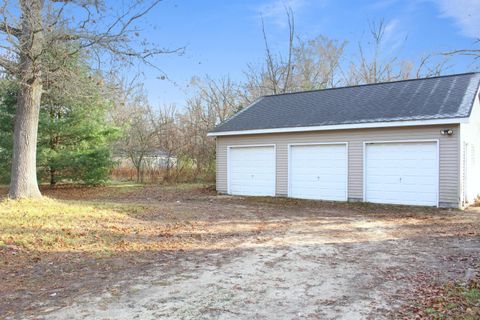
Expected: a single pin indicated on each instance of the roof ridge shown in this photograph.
(371, 84)
(443, 96)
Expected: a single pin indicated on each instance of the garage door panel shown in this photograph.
(249, 191)
(253, 159)
(308, 171)
(312, 185)
(251, 164)
(308, 194)
(314, 189)
(402, 173)
(411, 195)
(406, 179)
(256, 173)
(322, 166)
(408, 147)
(251, 171)
(400, 162)
(240, 181)
(392, 199)
(326, 162)
(329, 178)
(311, 151)
(318, 172)
(420, 180)
(404, 189)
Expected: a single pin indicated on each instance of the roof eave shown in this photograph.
(405, 123)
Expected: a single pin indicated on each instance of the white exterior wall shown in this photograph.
(470, 156)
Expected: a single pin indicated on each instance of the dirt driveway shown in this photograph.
(274, 259)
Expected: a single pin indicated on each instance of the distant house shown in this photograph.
(413, 142)
(153, 159)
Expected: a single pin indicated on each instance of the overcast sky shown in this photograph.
(221, 37)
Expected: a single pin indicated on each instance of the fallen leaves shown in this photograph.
(432, 301)
(100, 236)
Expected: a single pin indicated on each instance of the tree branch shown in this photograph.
(466, 52)
(9, 65)
(4, 27)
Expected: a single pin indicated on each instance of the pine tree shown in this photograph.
(74, 133)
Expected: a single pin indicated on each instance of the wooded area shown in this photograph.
(60, 88)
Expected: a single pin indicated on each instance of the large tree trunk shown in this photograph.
(23, 182)
(24, 163)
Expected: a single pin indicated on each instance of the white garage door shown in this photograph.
(402, 173)
(318, 172)
(251, 171)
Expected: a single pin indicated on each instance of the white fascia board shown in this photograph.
(343, 127)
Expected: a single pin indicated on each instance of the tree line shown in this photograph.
(306, 64)
(58, 91)
(37, 40)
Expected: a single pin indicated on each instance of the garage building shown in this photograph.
(413, 142)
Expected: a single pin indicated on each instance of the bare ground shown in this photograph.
(250, 259)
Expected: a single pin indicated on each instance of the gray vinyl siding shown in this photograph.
(449, 155)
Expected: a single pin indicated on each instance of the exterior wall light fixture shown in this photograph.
(448, 132)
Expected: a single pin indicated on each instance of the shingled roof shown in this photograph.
(443, 97)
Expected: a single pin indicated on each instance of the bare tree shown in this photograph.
(221, 96)
(130, 113)
(185, 132)
(375, 64)
(277, 70)
(138, 141)
(376, 67)
(180, 134)
(167, 133)
(197, 120)
(473, 53)
(317, 62)
(275, 75)
(432, 65)
(34, 25)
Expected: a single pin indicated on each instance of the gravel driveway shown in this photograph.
(286, 260)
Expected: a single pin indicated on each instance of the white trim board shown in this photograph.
(253, 146)
(343, 127)
(289, 164)
(365, 143)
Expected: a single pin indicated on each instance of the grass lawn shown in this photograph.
(102, 223)
(50, 225)
(84, 229)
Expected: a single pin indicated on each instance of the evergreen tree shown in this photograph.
(8, 99)
(74, 133)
